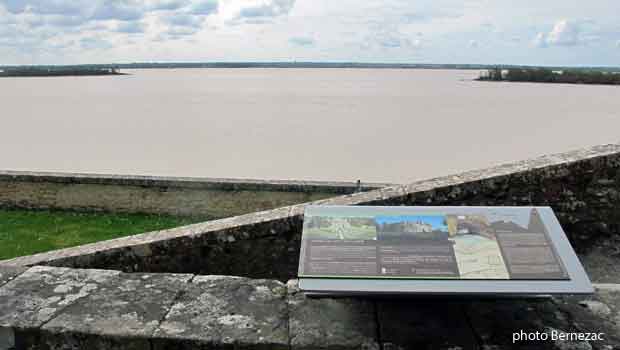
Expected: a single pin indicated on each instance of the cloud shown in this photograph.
(130, 27)
(75, 12)
(205, 7)
(394, 40)
(94, 43)
(176, 32)
(270, 8)
(301, 41)
(167, 5)
(46, 7)
(391, 41)
(540, 40)
(183, 20)
(473, 44)
(254, 11)
(119, 10)
(563, 33)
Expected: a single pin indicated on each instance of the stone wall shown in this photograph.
(583, 188)
(60, 308)
(209, 198)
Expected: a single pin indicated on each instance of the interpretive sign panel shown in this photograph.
(435, 244)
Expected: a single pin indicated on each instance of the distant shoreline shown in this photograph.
(341, 65)
(548, 76)
(31, 72)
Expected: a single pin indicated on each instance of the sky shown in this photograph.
(550, 32)
(438, 222)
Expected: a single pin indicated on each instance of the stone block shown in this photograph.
(226, 312)
(41, 293)
(423, 324)
(496, 321)
(122, 314)
(330, 323)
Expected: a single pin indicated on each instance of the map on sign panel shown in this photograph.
(447, 244)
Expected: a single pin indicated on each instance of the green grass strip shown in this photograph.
(25, 232)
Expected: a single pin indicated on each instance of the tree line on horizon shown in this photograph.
(539, 75)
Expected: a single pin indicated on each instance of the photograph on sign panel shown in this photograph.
(342, 228)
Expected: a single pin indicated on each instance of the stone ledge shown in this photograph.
(226, 312)
(41, 293)
(344, 323)
(336, 187)
(60, 308)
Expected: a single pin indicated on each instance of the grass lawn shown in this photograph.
(25, 232)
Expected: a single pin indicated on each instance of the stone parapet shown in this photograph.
(61, 308)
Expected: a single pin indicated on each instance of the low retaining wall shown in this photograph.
(583, 188)
(61, 308)
(210, 198)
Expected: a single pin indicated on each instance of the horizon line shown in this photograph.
(295, 62)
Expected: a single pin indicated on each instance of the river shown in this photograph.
(382, 125)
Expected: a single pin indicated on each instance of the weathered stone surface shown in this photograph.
(598, 313)
(42, 292)
(7, 273)
(424, 324)
(495, 322)
(602, 261)
(125, 311)
(226, 313)
(325, 323)
(7, 338)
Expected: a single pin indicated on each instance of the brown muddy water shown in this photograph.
(315, 124)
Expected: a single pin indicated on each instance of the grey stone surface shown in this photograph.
(7, 338)
(7, 273)
(41, 293)
(602, 260)
(495, 321)
(226, 312)
(126, 310)
(598, 313)
(58, 308)
(325, 323)
(424, 324)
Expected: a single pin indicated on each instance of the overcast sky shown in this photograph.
(550, 32)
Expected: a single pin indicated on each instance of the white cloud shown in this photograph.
(48, 7)
(205, 7)
(168, 5)
(540, 40)
(254, 10)
(364, 30)
(130, 27)
(564, 32)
